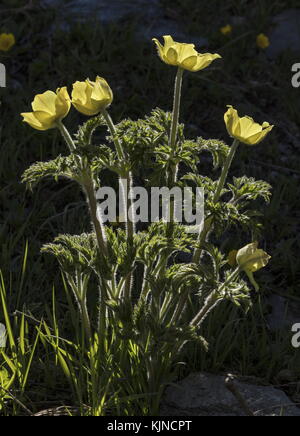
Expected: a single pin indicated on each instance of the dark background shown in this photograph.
(60, 42)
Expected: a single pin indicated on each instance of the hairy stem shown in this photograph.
(225, 170)
(130, 229)
(212, 300)
(66, 135)
(88, 186)
(208, 222)
(98, 226)
(176, 109)
(172, 176)
(79, 291)
(113, 132)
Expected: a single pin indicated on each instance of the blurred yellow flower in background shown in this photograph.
(245, 129)
(7, 41)
(262, 41)
(48, 108)
(183, 55)
(226, 30)
(90, 98)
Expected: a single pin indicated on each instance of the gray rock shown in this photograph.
(149, 16)
(206, 395)
(106, 10)
(285, 34)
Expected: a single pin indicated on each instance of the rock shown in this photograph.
(286, 33)
(286, 376)
(148, 14)
(202, 394)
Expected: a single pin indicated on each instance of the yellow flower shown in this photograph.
(262, 41)
(226, 30)
(245, 129)
(183, 55)
(7, 41)
(251, 259)
(48, 108)
(90, 98)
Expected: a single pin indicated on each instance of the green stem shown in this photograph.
(212, 300)
(66, 135)
(79, 290)
(130, 229)
(208, 222)
(201, 239)
(86, 320)
(172, 176)
(180, 307)
(176, 110)
(92, 201)
(225, 170)
(210, 303)
(113, 132)
(89, 188)
(90, 193)
(102, 320)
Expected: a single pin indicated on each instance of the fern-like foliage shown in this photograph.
(62, 166)
(245, 189)
(74, 252)
(84, 136)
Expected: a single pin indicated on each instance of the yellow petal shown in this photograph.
(48, 108)
(245, 129)
(262, 41)
(187, 56)
(84, 109)
(163, 49)
(63, 103)
(259, 137)
(160, 48)
(45, 102)
(90, 98)
(168, 40)
(226, 30)
(171, 56)
(102, 91)
(190, 63)
(31, 119)
(7, 41)
(183, 55)
(47, 121)
(185, 51)
(251, 259)
(249, 127)
(81, 97)
(231, 119)
(79, 93)
(204, 60)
